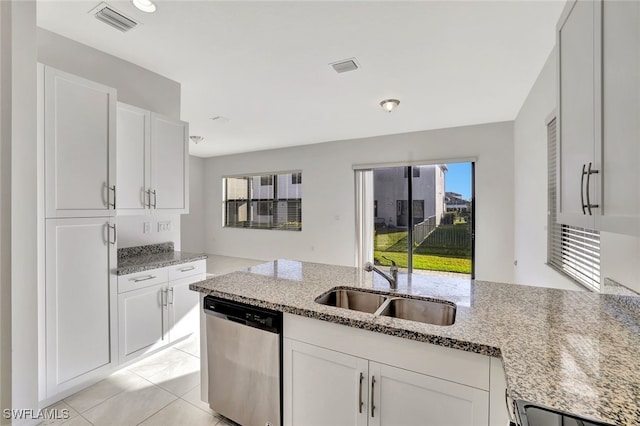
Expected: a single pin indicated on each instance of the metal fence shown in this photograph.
(423, 229)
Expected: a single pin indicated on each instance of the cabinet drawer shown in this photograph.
(142, 279)
(184, 270)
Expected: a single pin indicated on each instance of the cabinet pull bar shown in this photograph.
(360, 402)
(113, 188)
(582, 189)
(589, 205)
(137, 280)
(147, 198)
(373, 384)
(172, 295)
(115, 234)
(190, 268)
(155, 199)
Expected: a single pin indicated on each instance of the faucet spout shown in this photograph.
(393, 279)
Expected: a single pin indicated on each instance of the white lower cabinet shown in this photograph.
(338, 375)
(403, 397)
(153, 313)
(80, 296)
(323, 387)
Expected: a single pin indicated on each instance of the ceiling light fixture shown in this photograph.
(144, 5)
(389, 104)
(196, 139)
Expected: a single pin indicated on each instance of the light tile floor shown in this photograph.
(163, 389)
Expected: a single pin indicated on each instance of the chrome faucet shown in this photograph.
(393, 279)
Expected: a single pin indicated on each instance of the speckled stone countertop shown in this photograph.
(143, 258)
(573, 351)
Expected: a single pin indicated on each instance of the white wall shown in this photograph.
(192, 224)
(328, 215)
(24, 342)
(530, 192)
(5, 208)
(619, 253)
(136, 86)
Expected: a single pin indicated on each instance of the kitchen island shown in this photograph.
(572, 351)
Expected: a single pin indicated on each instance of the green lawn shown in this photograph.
(384, 241)
(426, 262)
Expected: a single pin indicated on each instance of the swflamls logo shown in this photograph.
(44, 414)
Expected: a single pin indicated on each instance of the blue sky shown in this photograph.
(458, 179)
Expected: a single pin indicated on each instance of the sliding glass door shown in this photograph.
(423, 218)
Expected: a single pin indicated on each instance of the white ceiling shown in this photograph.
(264, 65)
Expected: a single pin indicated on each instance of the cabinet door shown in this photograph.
(621, 117)
(405, 398)
(134, 159)
(80, 146)
(79, 301)
(578, 112)
(323, 387)
(142, 321)
(184, 312)
(169, 164)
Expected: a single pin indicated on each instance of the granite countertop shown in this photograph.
(143, 258)
(573, 351)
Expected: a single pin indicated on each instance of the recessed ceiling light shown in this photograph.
(196, 139)
(389, 104)
(144, 5)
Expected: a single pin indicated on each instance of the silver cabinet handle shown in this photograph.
(137, 280)
(115, 233)
(164, 297)
(155, 199)
(373, 384)
(582, 189)
(589, 205)
(172, 295)
(147, 197)
(113, 188)
(360, 402)
(190, 268)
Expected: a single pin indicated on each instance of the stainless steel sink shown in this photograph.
(353, 299)
(431, 312)
(427, 311)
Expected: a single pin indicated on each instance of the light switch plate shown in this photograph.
(146, 227)
(164, 226)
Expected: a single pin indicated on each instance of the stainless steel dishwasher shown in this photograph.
(244, 349)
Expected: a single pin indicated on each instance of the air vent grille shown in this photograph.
(110, 16)
(345, 65)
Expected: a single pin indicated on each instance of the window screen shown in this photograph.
(267, 201)
(571, 250)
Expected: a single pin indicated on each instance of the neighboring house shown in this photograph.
(455, 202)
(255, 200)
(390, 195)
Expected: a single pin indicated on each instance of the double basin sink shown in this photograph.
(438, 312)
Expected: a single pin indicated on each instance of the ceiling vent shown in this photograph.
(345, 65)
(110, 16)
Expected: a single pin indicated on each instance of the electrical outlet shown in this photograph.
(146, 227)
(164, 226)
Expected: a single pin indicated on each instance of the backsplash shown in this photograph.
(134, 231)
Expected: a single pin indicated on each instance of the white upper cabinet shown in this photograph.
(169, 164)
(621, 117)
(80, 146)
(134, 159)
(153, 162)
(578, 102)
(599, 116)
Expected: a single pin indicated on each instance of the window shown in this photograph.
(571, 250)
(416, 172)
(270, 201)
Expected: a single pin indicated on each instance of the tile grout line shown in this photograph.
(156, 412)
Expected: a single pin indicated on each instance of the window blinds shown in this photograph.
(573, 251)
